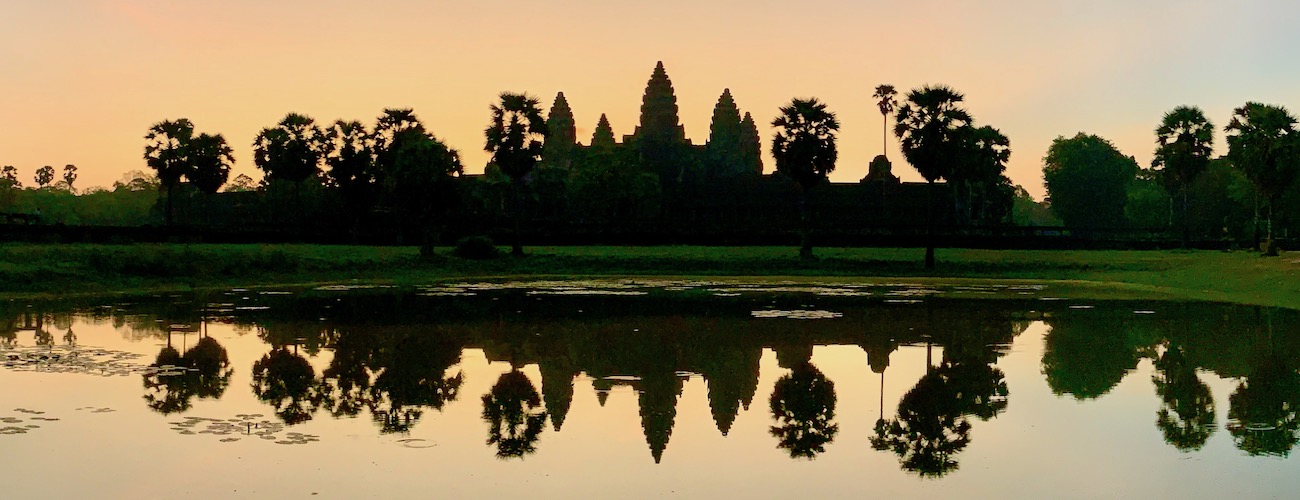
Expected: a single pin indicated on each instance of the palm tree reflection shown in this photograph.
(1186, 416)
(287, 382)
(204, 372)
(803, 407)
(515, 416)
(1264, 411)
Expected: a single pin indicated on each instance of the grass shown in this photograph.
(59, 270)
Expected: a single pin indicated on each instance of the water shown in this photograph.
(628, 389)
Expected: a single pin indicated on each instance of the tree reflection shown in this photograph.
(932, 425)
(1264, 411)
(204, 372)
(514, 413)
(1087, 357)
(1186, 417)
(803, 407)
(287, 382)
(414, 378)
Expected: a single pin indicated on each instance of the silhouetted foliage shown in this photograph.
(476, 247)
(44, 176)
(1264, 411)
(803, 406)
(1263, 143)
(350, 163)
(70, 176)
(804, 148)
(211, 158)
(287, 382)
(1185, 141)
(980, 187)
(204, 372)
(1087, 181)
(514, 139)
(1186, 417)
(292, 150)
(167, 152)
(887, 102)
(931, 131)
(515, 417)
(1087, 357)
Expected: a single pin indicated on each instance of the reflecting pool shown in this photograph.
(631, 389)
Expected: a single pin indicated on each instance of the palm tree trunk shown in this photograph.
(805, 236)
(884, 135)
(1270, 247)
(929, 227)
(517, 247)
(171, 190)
(1187, 224)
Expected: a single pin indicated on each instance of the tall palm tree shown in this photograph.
(887, 102)
(930, 128)
(515, 140)
(1263, 144)
(1184, 142)
(804, 148)
(167, 153)
(210, 159)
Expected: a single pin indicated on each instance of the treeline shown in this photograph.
(395, 178)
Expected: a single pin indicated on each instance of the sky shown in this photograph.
(82, 80)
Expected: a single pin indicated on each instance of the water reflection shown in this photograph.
(514, 414)
(391, 359)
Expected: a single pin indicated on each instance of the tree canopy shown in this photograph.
(1087, 181)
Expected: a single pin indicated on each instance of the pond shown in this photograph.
(631, 389)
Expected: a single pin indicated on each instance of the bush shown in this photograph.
(476, 247)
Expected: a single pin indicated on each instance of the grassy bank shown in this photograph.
(44, 270)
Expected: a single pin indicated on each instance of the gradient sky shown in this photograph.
(81, 81)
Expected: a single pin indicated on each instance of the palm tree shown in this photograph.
(804, 148)
(886, 101)
(1264, 148)
(292, 150)
(1185, 140)
(515, 140)
(929, 128)
(351, 163)
(211, 158)
(167, 153)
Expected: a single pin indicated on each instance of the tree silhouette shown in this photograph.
(886, 101)
(1264, 411)
(167, 152)
(932, 425)
(804, 148)
(292, 150)
(514, 139)
(930, 131)
(210, 159)
(287, 382)
(425, 167)
(1186, 417)
(803, 407)
(204, 372)
(978, 172)
(1086, 357)
(351, 167)
(44, 176)
(515, 417)
(1185, 141)
(415, 377)
(561, 135)
(1087, 180)
(1262, 142)
(70, 176)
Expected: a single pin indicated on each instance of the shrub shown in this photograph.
(476, 247)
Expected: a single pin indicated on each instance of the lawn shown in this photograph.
(29, 270)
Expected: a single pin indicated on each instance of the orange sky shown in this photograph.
(81, 81)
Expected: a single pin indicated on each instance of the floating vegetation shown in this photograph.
(585, 291)
(73, 359)
(796, 314)
(1143, 312)
(243, 425)
(344, 288)
(1081, 307)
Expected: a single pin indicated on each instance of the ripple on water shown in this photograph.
(796, 314)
